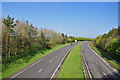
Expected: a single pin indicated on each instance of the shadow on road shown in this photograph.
(111, 76)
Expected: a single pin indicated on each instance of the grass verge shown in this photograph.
(72, 67)
(22, 63)
(102, 53)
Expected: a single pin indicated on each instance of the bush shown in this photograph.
(110, 43)
(113, 46)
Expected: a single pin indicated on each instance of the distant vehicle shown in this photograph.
(76, 41)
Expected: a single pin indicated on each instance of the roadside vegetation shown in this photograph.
(104, 55)
(83, 39)
(23, 43)
(19, 64)
(109, 45)
(72, 67)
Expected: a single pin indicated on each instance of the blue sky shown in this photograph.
(59, 0)
(84, 19)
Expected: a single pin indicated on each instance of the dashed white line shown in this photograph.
(50, 60)
(101, 59)
(105, 74)
(92, 57)
(40, 70)
(104, 61)
(26, 68)
(97, 54)
(105, 67)
(59, 64)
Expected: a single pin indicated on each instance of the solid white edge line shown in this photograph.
(103, 60)
(25, 69)
(97, 55)
(59, 64)
(87, 67)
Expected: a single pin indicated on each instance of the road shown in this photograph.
(45, 67)
(98, 68)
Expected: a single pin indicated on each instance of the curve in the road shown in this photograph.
(45, 67)
(99, 69)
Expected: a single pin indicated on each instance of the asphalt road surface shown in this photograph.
(45, 67)
(98, 68)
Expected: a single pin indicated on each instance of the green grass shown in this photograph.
(22, 63)
(102, 53)
(72, 67)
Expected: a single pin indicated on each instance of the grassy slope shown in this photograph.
(72, 67)
(21, 63)
(103, 55)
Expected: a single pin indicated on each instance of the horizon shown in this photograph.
(67, 18)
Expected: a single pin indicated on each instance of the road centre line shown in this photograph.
(103, 60)
(103, 65)
(26, 69)
(105, 74)
(97, 54)
(40, 70)
(60, 63)
(50, 61)
(92, 57)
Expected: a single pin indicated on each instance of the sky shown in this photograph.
(78, 19)
(59, 0)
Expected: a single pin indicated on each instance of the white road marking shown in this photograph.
(26, 68)
(105, 74)
(104, 61)
(100, 58)
(92, 57)
(50, 60)
(87, 66)
(59, 65)
(105, 67)
(97, 55)
(40, 70)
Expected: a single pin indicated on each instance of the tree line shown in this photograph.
(83, 39)
(20, 38)
(110, 42)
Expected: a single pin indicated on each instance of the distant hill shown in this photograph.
(83, 39)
